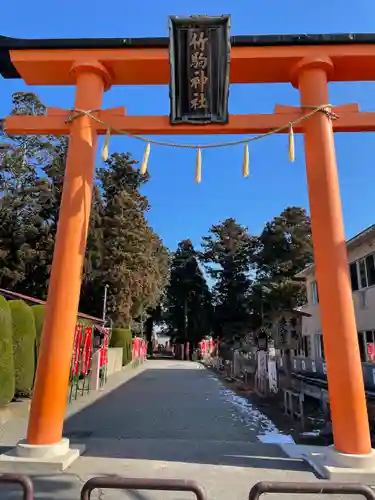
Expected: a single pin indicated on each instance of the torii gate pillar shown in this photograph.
(52, 379)
(344, 371)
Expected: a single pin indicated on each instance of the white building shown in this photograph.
(361, 257)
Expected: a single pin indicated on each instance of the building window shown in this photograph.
(370, 268)
(354, 276)
(314, 293)
(306, 346)
(320, 352)
(361, 345)
(362, 272)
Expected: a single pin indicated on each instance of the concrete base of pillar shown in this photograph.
(328, 463)
(37, 459)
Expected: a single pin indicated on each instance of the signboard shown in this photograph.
(199, 54)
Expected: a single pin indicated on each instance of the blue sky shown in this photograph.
(181, 208)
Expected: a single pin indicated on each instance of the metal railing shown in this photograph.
(306, 487)
(24, 482)
(120, 483)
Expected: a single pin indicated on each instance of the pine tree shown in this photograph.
(93, 280)
(134, 259)
(188, 305)
(31, 177)
(284, 249)
(228, 255)
(122, 250)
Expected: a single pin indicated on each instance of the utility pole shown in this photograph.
(142, 322)
(185, 319)
(185, 328)
(105, 301)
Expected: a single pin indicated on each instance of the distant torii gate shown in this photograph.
(308, 62)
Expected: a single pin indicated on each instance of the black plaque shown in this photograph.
(199, 54)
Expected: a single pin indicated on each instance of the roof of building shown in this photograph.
(7, 44)
(355, 241)
(14, 295)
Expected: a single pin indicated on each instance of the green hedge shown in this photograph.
(24, 337)
(38, 312)
(122, 337)
(7, 377)
(85, 321)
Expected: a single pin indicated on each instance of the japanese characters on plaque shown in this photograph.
(199, 52)
(198, 78)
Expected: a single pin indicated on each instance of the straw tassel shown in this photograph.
(198, 166)
(143, 168)
(105, 150)
(245, 164)
(291, 143)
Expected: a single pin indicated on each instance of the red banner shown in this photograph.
(139, 348)
(86, 351)
(104, 350)
(207, 346)
(76, 350)
(82, 350)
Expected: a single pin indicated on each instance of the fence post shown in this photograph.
(95, 371)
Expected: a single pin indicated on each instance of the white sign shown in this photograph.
(272, 351)
(262, 363)
(272, 375)
(303, 364)
(324, 368)
(313, 366)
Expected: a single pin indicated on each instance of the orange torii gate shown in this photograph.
(93, 66)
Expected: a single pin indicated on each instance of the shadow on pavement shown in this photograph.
(172, 415)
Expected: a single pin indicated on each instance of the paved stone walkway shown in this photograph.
(167, 419)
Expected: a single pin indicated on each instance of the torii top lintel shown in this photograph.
(145, 61)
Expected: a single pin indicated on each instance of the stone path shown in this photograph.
(167, 419)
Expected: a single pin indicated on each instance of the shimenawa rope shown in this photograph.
(325, 108)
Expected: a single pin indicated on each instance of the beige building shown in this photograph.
(361, 257)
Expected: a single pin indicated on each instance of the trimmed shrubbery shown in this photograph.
(24, 336)
(122, 337)
(21, 329)
(38, 312)
(85, 321)
(7, 377)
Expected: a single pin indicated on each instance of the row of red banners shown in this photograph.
(82, 350)
(207, 346)
(139, 348)
(83, 347)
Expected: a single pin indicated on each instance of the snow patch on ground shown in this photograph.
(255, 420)
(313, 433)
